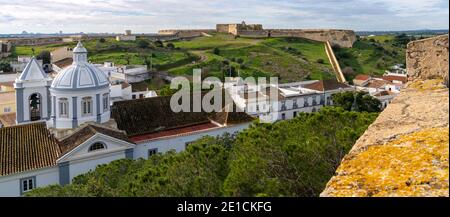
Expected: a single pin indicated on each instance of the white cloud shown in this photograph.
(151, 15)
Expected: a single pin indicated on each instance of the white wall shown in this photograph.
(10, 184)
(83, 166)
(178, 143)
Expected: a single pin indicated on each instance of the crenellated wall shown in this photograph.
(405, 151)
(337, 37)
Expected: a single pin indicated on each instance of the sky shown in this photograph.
(148, 16)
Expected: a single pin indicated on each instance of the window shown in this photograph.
(96, 146)
(133, 97)
(295, 114)
(152, 151)
(63, 106)
(86, 106)
(283, 116)
(27, 184)
(105, 102)
(7, 109)
(141, 96)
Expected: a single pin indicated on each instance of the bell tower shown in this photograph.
(32, 93)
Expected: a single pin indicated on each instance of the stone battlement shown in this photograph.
(337, 37)
(405, 151)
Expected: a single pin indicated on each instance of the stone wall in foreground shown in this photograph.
(405, 151)
(428, 58)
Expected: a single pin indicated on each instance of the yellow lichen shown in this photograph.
(411, 165)
(431, 84)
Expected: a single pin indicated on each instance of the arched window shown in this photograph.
(105, 102)
(86, 106)
(63, 107)
(35, 106)
(97, 146)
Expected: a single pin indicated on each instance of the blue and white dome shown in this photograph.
(81, 75)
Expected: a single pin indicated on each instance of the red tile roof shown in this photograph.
(391, 78)
(83, 134)
(324, 85)
(173, 132)
(32, 146)
(376, 83)
(27, 147)
(362, 77)
(151, 115)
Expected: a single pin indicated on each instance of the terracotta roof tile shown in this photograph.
(86, 132)
(362, 77)
(27, 147)
(324, 85)
(391, 78)
(150, 115)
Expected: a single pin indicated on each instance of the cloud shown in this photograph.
(151, 15)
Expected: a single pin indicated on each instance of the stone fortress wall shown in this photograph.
(185, 33)
(405, 151)
(428, 58)
(339, 37)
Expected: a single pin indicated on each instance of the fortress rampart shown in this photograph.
(337, 37)
(405, 151)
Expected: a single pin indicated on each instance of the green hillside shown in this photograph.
(289, 59)
(371, 55)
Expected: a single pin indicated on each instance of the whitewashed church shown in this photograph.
(66, 126)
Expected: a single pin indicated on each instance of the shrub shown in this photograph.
(143, 44)
(216, 51)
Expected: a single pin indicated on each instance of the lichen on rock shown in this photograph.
(405, 151)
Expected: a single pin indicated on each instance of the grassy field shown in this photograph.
(287, 58)
(123, 52)
(371, 57)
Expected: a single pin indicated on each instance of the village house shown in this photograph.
(285, 101)
(384, 88)
(66, 126)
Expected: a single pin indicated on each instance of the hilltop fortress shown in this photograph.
(337, 37)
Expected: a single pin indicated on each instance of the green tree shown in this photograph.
(295, 157)
(159, 43)
(216, 51)
(143, 44)
(5, 66)
(362, 100)
(286, 158)
(44, 56)
(170, 45)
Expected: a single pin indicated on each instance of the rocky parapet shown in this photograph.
(428, 58)
(405, 151)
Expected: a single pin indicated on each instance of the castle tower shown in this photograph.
(32, 93)
(79, 94)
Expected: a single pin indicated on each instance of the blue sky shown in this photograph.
(49, 16)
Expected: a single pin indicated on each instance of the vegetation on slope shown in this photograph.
(372, 55)
(289, 59)
(287, 158)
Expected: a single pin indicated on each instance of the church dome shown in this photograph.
(80, 75)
